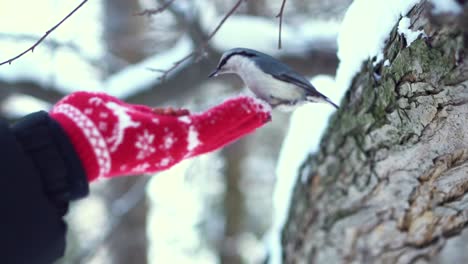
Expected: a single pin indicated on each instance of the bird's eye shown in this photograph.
(248, 54)
(222, 63)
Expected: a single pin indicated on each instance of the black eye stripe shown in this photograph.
(242, 53)
(223, 61)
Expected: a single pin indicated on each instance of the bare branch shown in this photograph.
(155, 70)
(175, 65)
(233, 9)
(280, 16)
(33, 37)
(53, 44)
(154, 11)
(200, 52)
(31, 49)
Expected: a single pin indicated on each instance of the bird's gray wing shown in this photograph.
(297, 79)
(285, 73)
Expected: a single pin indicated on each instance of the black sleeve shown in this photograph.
(40, 173)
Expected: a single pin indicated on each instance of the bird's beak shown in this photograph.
(214, 73)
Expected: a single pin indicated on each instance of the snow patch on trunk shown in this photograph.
(305, 129)
(410, 35)
(365, 28)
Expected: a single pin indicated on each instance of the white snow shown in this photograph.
(378, 58)
(366, 26)
(386, 63)
(262, 106)
(305, 129)
(446, 6)
(185, 119)
(404, 29)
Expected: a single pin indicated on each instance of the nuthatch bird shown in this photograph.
(269, 79)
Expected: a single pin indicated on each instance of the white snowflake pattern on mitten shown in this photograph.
(144, 145)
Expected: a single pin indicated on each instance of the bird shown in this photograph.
(269, 79)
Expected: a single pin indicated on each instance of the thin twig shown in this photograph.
(31, 49)
(155, 70)
(154, 11)
(280, 15)
(197, 54)
(33, 37)
(233, 9)
(176, 64)
(53, 44)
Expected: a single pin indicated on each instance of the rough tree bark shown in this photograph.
(390, 181)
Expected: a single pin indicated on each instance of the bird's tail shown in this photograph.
(321, 99)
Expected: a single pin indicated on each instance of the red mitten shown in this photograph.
(113, 138)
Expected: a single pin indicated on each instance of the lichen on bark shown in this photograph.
(389, 182)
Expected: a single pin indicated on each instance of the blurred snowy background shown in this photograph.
(219, 208)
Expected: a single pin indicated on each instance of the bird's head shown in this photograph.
(231, 59)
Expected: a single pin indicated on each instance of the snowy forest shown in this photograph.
(382, 179)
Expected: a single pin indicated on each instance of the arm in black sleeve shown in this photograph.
(40, 173)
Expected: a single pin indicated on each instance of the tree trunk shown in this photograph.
(123, 35)
(388, 183)
(234, 205)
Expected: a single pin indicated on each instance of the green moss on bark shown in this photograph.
(374, 119)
